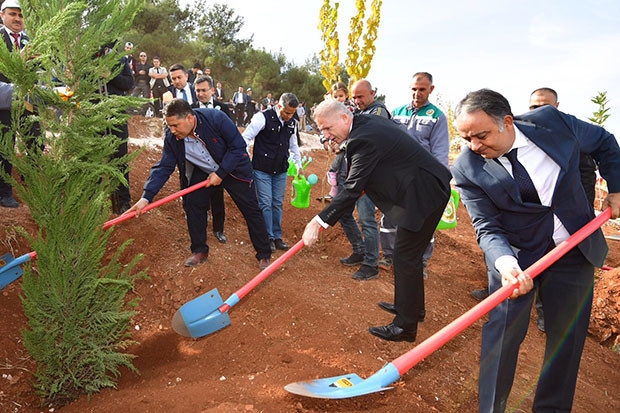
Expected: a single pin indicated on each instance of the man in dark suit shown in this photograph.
(239, 101)
(518, 220)
(180, 87)
(219, 92)
(15, 38)
(405, 182)
(204, 92)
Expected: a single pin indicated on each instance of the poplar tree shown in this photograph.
(75, 293)
(361, 42)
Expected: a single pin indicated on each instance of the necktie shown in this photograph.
(16, 40)
(184, 95)
(524, 182)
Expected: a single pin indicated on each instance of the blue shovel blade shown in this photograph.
(8, 275)
(345, 386)
(201, 316)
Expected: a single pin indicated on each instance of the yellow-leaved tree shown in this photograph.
(361, 42)
(328, 22)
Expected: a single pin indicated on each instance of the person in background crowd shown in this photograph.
(427, 124)
(273, 133)
(159, 84)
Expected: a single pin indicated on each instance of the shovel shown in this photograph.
(208, 313)
(9, 267)
(352, 385)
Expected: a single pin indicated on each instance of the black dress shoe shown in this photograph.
(272, 245)
(390, 308)
(391, 332)
(219, 235)
(263, 263)
(281, 245)
(196, 258)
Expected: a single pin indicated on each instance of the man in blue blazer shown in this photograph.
(513, 233)
(204, 143)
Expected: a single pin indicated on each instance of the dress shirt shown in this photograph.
(197, 154)
(544, 173)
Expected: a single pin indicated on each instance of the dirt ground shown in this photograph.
(308, 320)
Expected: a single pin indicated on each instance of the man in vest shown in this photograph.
(274, 132)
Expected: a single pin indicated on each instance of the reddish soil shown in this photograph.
(308, 320)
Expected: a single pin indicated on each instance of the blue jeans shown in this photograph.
(368, 245)
(270, 190)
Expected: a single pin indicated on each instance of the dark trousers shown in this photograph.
(157, 93)
(33, 144)
(121, 196)
(196, 205)
(218, 211)
(408, 271)
(240, 114)
(566, 291)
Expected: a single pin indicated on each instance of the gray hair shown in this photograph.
(331, 107)
(490, 102)
(289, 99)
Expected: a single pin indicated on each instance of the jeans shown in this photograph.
(270, 190)
(368, 245)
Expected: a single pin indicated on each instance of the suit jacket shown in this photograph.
(401, 178)
(217, 105)
(8, 40)
(219, 95)
(504, 224)
(221, 138)
(192, 91)
(236, 98)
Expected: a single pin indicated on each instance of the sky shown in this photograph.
(512, 47)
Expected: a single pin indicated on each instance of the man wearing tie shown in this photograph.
(204, 93)
(180, 88)
(15, 39)
(519, 179)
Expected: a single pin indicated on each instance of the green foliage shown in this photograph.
(601, 115)
(75, 297)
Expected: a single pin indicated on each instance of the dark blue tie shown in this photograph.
(184, 95)
(524, 182)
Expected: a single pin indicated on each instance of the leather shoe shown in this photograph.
(391, 332)
(219, 235)
(263, 263)
(480, 294)
(272, 245)
(390, 308)
(280, 245)
(8, 202)
(196, 258)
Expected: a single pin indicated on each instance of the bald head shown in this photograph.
(362, 94)
(543, 96)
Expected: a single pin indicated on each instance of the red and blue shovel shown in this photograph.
(352, 385)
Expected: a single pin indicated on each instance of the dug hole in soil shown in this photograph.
(308, 320)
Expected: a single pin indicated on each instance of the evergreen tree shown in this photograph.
(74, 296)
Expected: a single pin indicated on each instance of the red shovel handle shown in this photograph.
(155, 204)
(434, 342)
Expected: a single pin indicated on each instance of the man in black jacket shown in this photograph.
(15, 38)
(120, 85)
(405, 182)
